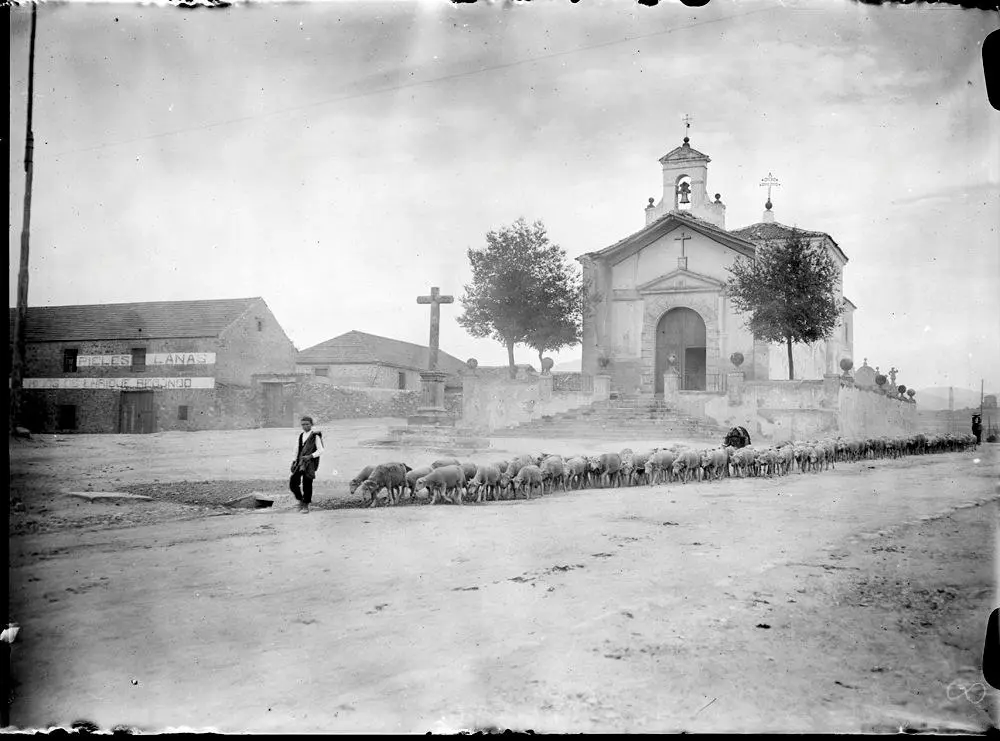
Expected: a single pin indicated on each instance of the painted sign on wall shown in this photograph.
(153, 358)
(119, 383)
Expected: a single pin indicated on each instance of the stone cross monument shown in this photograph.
(431, 410)
(435, 300)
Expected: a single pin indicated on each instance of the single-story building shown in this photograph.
(361, 359)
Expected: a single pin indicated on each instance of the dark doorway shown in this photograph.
(138, 415)
(681, 332)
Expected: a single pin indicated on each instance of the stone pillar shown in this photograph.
(734, 387)
(470, 400)
(544, 388)
(602, 387)
(431, 410)
(831, 389)
(671, 387)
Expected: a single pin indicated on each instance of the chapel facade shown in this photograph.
(661, 293)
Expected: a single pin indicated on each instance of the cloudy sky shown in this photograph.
(339, 158)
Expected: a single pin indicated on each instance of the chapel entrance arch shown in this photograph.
(681, 331)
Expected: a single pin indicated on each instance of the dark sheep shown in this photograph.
(388, 476)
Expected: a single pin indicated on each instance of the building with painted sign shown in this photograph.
(149, 367)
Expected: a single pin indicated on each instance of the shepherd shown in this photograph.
(305, 464)
(738, 437)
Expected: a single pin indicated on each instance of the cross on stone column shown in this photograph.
(769, 182)
(435, 300)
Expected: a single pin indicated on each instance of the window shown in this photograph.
(69, 361)
(402, 380)
(138, 358)
(66, 417)
(182, 412)
(325, 372)
(260, 326)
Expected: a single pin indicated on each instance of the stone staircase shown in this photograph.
(622, 418)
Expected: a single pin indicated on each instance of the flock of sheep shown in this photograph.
(451, 479)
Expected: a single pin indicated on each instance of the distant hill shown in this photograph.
(569, 366)
(936, 397)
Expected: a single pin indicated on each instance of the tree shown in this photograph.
(788, 292)
(523, 291)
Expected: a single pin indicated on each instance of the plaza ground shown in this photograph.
(854, 599)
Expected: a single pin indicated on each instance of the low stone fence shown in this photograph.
(325, 402)
(803, 410)
(491, 402)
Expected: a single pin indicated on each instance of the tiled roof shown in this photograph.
(361, 347)
(705, 227)
(766, 230)
(147, 320)
(771, 230)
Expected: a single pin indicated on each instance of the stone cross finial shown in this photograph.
(769, 182)
(435, 300)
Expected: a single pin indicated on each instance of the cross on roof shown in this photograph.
(682, 239)
(768, 182)
(435, 300)
(687, 125)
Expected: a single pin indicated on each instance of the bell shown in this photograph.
(684, 197)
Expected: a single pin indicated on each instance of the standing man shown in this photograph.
(977, 428)
(305, 464)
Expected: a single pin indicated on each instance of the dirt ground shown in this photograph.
(851, 600)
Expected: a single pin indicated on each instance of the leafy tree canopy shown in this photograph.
(788, 292)
(523, 291)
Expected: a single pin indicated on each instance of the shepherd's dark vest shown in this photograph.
(310, 447)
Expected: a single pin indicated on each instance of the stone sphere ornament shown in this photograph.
(472, 363)
(901, 389)
(880, 379)
(911, 392)
(846, 364)
(736, 359)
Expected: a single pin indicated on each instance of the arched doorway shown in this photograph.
(681, 331)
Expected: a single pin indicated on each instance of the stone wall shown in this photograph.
(226, 407)
(493, 402)
(805, 410)
(324, 401)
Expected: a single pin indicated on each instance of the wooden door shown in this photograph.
(138, 414)
(681, 332)
(274, 405)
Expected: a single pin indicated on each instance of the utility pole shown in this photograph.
(21, 315)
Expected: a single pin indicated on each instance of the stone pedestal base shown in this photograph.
(734, 387)
(431, 410)
(671, 387)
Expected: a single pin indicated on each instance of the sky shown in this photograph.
(339, 158)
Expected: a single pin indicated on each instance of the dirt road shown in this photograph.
(849, 600)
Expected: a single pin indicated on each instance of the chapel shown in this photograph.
(661, 293)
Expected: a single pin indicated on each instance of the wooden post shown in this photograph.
(21, 314)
